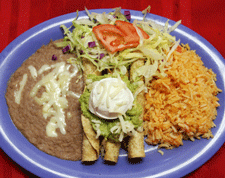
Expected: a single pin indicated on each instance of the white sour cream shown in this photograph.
(110, 97)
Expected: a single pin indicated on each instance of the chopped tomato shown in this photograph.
(118, 37)
(179, 49)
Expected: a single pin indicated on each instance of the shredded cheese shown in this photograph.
(43, 69)
(33, 71)
(54, 100)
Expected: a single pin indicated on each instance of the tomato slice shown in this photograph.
(118, 37)
(110, 36)
(130, 31)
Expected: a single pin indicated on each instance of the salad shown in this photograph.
(84, 38)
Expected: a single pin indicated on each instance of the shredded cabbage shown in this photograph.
(155, 50)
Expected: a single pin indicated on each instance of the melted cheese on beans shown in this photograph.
(53, 99)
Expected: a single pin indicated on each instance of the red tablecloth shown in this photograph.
(206, 17)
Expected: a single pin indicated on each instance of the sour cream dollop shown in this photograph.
(110, 97)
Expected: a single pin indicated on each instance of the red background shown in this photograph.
(206, 17)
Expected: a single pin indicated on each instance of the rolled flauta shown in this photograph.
(89, 68)
(91, 144)
(88, 152)
(112, 150)
(136, 141)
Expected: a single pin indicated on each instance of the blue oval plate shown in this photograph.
(174, 163)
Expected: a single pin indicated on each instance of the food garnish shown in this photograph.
(66, 48)
(140, 39)
(116, 123)
(110, 98)
(128, 15)
(54, 57)
(120, 36)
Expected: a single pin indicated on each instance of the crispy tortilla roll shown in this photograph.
(91, 145)
(136, 146)
(88, 152)
(89, 68)
(111, 150)
(136, 142)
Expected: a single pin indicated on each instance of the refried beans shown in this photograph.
(28, 116)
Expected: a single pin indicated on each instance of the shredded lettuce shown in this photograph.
(155, 50)
(145, 11)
